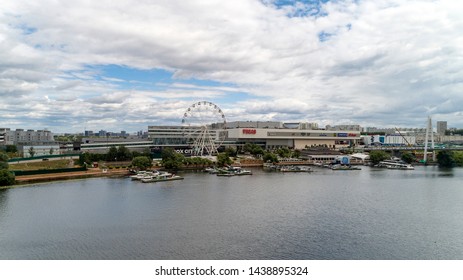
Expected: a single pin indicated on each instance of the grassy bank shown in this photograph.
(52, 164)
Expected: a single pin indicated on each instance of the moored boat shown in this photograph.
(344, 167)
(226, 174)
(401, 167)
(239, 171)
(211, 170)
(292, 168)
(144, 175)
(232, 171)
(162, 177)
(395, 164)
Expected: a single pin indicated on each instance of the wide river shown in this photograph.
(366, 214)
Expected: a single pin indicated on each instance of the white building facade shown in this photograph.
(389, 140)
(292, 138)
(25, 137)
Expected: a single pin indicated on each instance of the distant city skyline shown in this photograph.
(75, 66)
(438, 127)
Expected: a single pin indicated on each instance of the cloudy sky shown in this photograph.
(123, 65)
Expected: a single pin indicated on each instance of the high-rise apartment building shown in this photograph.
(26, 137)
(441, 127)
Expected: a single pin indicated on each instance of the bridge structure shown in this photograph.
(429, 147)
(420, 152)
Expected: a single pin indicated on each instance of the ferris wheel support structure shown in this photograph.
(198, 117)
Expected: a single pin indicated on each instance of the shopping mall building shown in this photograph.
(291, 138)
(268, 135)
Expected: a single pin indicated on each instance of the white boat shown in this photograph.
(232, 171)
(401, 167)
(162, 177)
(239, 171)
(344, 167)
(144, 174)
(211, 170)
(225, 174)
(293, 168)
(395, 164)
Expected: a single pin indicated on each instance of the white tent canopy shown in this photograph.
(360, 156)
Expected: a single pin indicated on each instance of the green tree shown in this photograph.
(296, 154)
(231, 151)
(123, 153)
(112, 154)
(284, 152)
(270, 157)
(257, 150)
(147, 153)
(247, 148)
(458, 158)
(3, 161)
(31, 151)
(408, 157)
(206, 162)
(85, 158)
(167, 153)
(172, 159)
(142, 162)
(223, 159)
(197, 161)
(377, 156)
(11, 149)
(51, 151)
(6, 178)
(445, 159)
(253, 149)
(3, 165)
(4, 157)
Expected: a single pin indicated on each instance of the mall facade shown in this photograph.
(292, 138)
(268, 135)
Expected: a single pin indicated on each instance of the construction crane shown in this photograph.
(405, 139)
(408, 143)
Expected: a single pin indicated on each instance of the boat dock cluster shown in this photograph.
(288, 168)
(228, 171)
(155, 176)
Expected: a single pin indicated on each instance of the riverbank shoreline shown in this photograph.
(97, 172)
(89, 173)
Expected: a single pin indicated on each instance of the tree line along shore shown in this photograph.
(120, 161)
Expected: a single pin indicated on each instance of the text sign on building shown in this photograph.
(249, 131)
(184, 151)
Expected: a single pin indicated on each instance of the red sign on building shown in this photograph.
(249, 131)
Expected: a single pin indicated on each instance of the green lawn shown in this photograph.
(51, 164)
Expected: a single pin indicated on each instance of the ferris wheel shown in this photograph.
(204, 124)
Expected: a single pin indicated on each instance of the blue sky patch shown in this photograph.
(300, 8)
(127, 78)
(324, 36)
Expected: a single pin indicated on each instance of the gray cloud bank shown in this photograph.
(375, 63)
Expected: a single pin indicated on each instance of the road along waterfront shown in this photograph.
(365, 214)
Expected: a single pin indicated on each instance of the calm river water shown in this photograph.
(366, 214)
